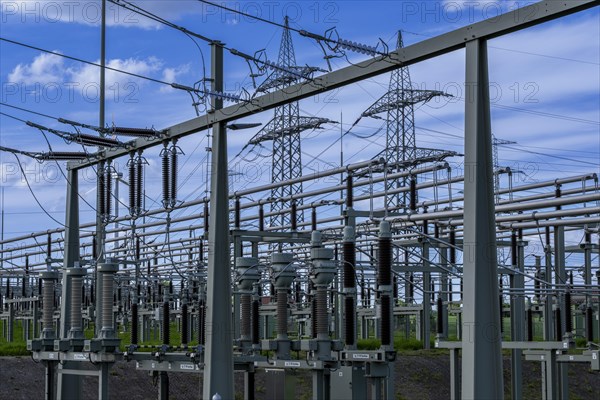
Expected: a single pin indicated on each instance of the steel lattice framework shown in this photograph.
(284, 131)
(401, 150)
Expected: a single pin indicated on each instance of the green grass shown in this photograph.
(18, 347)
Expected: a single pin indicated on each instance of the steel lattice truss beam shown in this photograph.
(524, 17)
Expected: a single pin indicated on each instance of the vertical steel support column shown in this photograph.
(100, 240)
(548, 314)
(549, 374)
(445, 291)
(426, 313)
(454, 375)
(69, 386)
(517, 315)
(218, 371)
(561, 278)
(481, 344)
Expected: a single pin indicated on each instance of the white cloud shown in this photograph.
(90, 74)
(48, 68)
(171, 74)
(45, 68)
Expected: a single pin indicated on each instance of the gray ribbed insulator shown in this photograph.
(48, 306)
(107, 301)
(76, 289)
(245, 316)
(322, 323)
(282, 313)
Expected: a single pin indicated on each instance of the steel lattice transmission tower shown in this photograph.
(400, 130)
(284, 131)
(401, 151)
(495, 143)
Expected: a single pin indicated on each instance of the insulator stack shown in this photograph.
(501, 311)
(185, 331)
(413, 193)
(48, 279)
(349, 321)
(237, 213)
(568, 313)
(76, 293)
(138, 250)
(349, 258)
(101, 193)
(440, 316)
(322, 315)
(205, 216)
(349, 192)
(529, 325)
(589, 324)
(108, 195)
(313, 316)
(411, 286)
(349, 263)
(132, 185)
(513, 248)
(293, 215)
(298, 293)
(25, 278)
(139, 185)
(165, 176)
(202, 323)
(245, 315)
(166, 334)
(135, 132)
(107, 301)
(282, 317)
(558, 324)
(386, 328)
(134, 323)
(384, 277)
(261, 217)
(452, 246)
(384, 281)
(49, 247)
(313, 219)
(255, 322)
(174, 171)
(571, 278)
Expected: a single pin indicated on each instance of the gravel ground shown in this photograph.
(419, 375)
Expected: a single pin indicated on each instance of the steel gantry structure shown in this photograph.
(481, 343)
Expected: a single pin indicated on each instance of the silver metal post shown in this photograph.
(218, 371)
(482, 355)
(69, 386)
(517, 326)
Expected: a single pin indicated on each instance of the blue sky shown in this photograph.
(552, 70)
